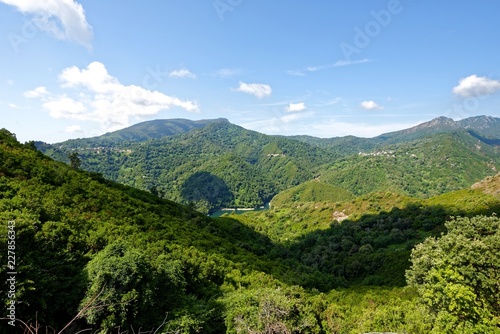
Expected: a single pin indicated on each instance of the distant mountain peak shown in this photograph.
(486, 126)
(153, 129)
(441, 121)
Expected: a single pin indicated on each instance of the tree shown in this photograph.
(74, 160)
(457, 275)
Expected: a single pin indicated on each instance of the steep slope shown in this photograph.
(218, 165)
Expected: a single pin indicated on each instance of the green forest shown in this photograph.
(117, 239)
(222, 165)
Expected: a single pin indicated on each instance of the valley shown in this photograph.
(351, 242)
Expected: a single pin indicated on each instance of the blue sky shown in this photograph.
(325, 68)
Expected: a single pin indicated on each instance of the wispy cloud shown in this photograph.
(63, 19)
(371, 105)
(182, 73)
(351, 62)
(257, 89)
(476, 86)
(309, 69)
(297, 73)
(101, 98)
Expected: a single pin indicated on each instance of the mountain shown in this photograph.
(424, 167)
(484, 128)
(219, 165)
(144, 131)
(158, 129)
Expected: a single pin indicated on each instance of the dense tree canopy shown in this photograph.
(458, 275)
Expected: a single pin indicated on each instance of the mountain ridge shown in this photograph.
(484, 126)
(221, 164)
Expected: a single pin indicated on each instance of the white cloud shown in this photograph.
(371, 105)
(95, 78)
(36, 93)
(258, 90)
(64, 19)
(295, 107)
(182, 73)
(476, 86)
(101, 98)
(73, 129)
(65, 107)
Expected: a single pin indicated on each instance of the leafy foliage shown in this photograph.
(457, 275)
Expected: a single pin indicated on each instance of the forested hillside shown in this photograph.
(421, 168)
(220, 165)
(110, 258)
(214, 164)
